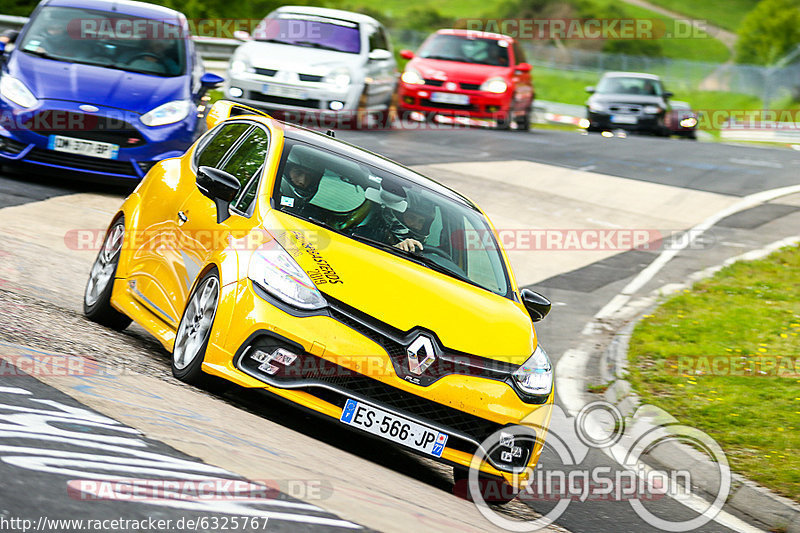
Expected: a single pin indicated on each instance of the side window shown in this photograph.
(215, 149)
(244, 164)
(377, 40)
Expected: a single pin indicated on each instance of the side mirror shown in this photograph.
(537, 305)
(522, 68)
(590, 89)
(379, 55)
(241, 35)
(668, 94)
(210, 80)
(220, 187)
(406, 54)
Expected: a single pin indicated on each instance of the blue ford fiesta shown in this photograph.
(104, 88)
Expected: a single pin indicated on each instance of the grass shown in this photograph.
(745, 315)
(727, 14)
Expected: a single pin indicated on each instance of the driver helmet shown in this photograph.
(301, 180)
(414, 222)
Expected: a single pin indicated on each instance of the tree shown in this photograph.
(769, 32)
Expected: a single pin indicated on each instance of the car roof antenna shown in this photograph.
(331, 133)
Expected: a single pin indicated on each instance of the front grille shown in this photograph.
(309, 102)
(631, 109)
(471, 86)
(434, 83)
(310, 77)
(10, 146)
(265, 71)
(51, 157)
(438, 105)
(86, 126)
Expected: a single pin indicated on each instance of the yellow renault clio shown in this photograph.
(280, 258)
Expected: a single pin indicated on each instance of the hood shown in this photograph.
(438, 69)
(407, 295)
(58, 80)
(301, 59)
(641, 99)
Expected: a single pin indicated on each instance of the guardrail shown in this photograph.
(210, 48)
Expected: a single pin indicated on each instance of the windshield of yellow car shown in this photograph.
(382, 209)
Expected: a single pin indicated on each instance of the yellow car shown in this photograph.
(283, 259)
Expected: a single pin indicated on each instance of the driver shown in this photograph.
(154, 57)
(299, 184)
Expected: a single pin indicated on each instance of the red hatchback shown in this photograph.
(466, 73)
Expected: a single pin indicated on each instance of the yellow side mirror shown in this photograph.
(223, 109)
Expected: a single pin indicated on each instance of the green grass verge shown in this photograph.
(746, 314)
(727, 14)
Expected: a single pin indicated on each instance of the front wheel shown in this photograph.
(194, 331)
(97, 296)
(524, 122)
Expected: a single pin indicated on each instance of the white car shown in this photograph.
(309, 59)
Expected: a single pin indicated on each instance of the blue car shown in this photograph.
(104, 88)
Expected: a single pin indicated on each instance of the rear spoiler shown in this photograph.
(223, 109)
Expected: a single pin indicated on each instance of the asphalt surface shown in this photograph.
(724, 169)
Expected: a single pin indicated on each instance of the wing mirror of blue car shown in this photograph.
(589, 89)
(537, 305)
(220, 186)
(208, 81)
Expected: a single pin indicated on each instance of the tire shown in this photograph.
(194, 331)
(504, 123)
(494, 490)
(97, 295)
(523, 122)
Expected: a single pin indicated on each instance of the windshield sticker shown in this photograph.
(287, 201)
(502, 44)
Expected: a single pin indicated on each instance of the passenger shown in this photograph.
(404, 223)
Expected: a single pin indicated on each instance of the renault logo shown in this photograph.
(421, 354)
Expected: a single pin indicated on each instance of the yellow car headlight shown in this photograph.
(535, 376)
(274, 270)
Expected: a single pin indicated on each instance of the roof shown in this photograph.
(643, 75)
(475, 34)
(125, 7)
(329, 13)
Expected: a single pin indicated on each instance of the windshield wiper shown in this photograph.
(42, 53)
(443, 58)
(276, 41)
(313, 44)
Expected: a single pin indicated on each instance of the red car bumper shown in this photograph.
(480, 104)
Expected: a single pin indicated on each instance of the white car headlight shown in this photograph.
(412, 77)
(238, 66)
(494, 85)
(597, 108)
(14, 90)
(535, 376)
(168, 113)
(651, 109)
(340, 77)
(275, 271)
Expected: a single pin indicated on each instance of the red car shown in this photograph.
(466, 73)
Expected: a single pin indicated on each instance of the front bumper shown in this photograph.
(641, 122)
(299, 97)
(25, 139)
(482, 105)
(338, 359)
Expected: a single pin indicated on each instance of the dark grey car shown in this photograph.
(628, 100)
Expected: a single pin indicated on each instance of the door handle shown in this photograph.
(182, 218)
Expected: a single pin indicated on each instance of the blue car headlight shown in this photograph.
(535, 376)
(274, 270)
(15, 91)
(168, 113)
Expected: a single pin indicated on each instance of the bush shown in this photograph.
(769, 32)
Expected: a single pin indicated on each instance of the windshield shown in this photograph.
(466, 50)
(310, 31)
(107, 40)
(621, 85)
(386, 211)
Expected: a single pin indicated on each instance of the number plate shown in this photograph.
(284, 91)
(450, 98)
(624, 119)
(71, 145)
(393, 427)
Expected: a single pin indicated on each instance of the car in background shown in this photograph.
(105, 88)
(287, 274)
(682, 120)
(303, 60)
(466, 73)
(630, 101)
